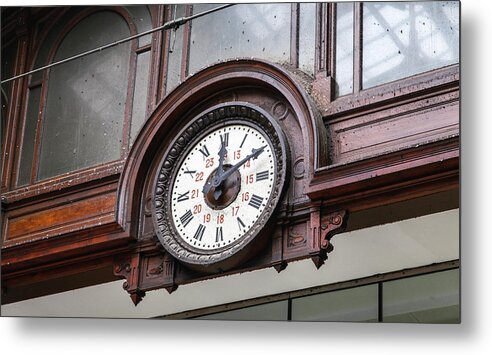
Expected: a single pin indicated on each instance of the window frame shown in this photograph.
(35, 187)
(187, 28)
(378, 280)
(325, 61)
(366, 97)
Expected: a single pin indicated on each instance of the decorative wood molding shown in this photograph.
(166, 120)
(128, 268)
(61, 214)
(65, 184)
(145, 272)
(239, 113)
(386, 172)
(394, 93)
(158, 271)
(323, 228)
(329, 178)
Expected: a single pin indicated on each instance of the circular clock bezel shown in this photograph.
(203, 124)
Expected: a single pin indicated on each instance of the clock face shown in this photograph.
(218, 185)
(222, 186)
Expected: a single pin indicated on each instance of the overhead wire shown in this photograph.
(173, 24)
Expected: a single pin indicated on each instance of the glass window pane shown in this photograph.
(141, 18)
(270, 311)
(359, 304)
(85, 106)
(432, 298)
(140, 94)
(8, 55)
(28, 137)
(48, 41)
(307, 34)
(344, 68)
(175, 52)
(404, 39)
(242, 31)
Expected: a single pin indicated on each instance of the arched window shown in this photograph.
(79, 113)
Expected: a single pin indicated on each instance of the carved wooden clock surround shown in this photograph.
(232, 118)
(293, 227)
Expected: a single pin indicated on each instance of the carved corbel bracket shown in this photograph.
(144, 272)
(323, 228)
(158, 271)
(128, 268)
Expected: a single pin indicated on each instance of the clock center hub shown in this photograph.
(230, 189)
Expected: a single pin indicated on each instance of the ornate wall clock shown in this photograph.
(218, 185)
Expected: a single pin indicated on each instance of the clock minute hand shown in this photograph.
(254, 154)
(219, 178)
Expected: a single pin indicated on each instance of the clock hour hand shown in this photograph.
(220, 170)
(222, 153)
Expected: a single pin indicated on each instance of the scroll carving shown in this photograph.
(323, 228)
(296, 240)
(128, 268)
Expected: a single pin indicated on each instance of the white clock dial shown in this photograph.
(212, 217)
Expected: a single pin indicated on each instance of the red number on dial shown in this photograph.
(249, 179)
(209, 162)
(199, 176)
(194, 193)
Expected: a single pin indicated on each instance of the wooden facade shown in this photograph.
(379, 146)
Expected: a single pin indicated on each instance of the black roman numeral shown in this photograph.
(204, 151)
(243, 140)
(262, 175)
(224, 139)
(199, 232)
(186, 218)
(183, 197)
(219, 237)
(240, 223)
(191, 172)
(255, 201)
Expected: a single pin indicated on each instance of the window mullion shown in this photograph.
(357, 47)
(294, 35)
(321, 31)
(186, 44)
